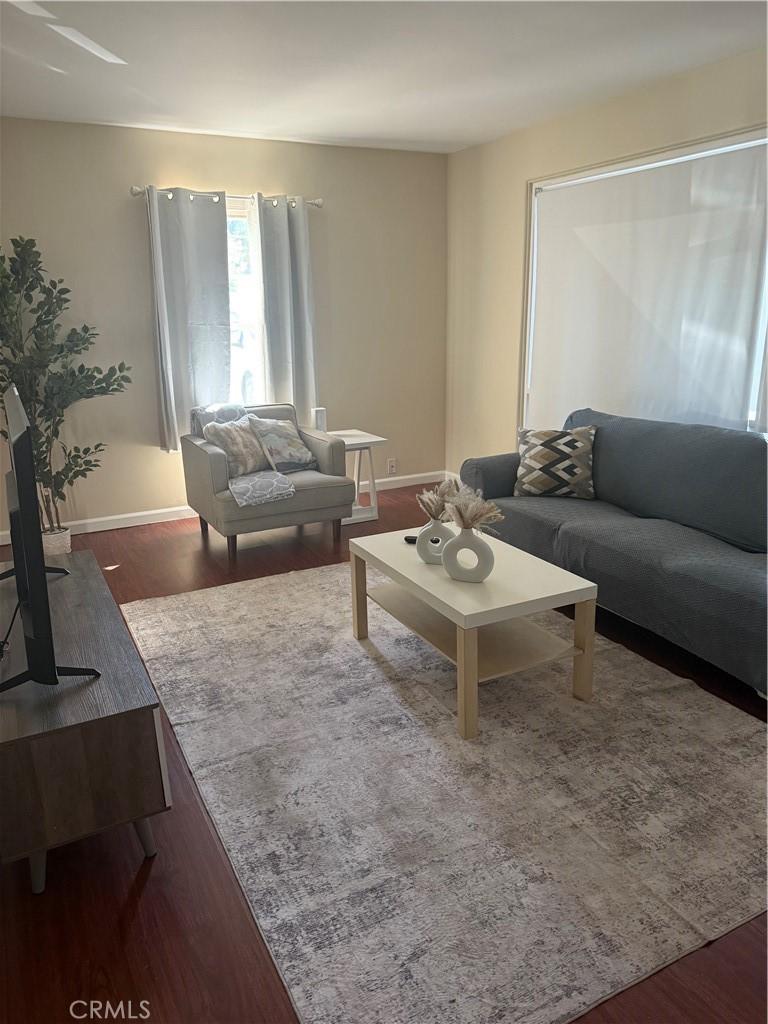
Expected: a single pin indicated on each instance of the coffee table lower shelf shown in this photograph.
(502, 648)
(485, 633)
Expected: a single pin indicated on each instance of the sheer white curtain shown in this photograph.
(649, 293)
(281, 225)
(188, 242)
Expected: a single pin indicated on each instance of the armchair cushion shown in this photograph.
(283, 445)
(219, 413)
(223, 413)
(242, 445)
(313, 490)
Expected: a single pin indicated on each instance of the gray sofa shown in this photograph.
(322, 495)
(675, 541)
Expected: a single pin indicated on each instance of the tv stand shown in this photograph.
(88, 754)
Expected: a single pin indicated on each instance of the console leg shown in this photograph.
(146, 838)
(203, 526)
(37, 870)
(232, 547)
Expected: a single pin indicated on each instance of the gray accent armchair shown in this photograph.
(322, 495)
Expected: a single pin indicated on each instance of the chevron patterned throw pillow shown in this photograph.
(555, 463)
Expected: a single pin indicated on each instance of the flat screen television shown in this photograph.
(29, 568)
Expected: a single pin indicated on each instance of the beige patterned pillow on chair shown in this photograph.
(283, 445)
(556, 463)
(244, 450)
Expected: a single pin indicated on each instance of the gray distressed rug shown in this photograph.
(400, 874)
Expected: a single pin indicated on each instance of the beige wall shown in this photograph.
(379, 255)
(487, 196)
(379, 251)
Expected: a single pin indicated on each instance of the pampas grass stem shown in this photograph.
(434, 503)
(470, 511)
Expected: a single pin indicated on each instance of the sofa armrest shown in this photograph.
(205, 472)
(329, 451)
(493, 475)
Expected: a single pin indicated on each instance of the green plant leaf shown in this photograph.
(36, 354)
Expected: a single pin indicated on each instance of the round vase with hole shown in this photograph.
(431, 541)
(468, 541)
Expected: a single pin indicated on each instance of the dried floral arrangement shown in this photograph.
(434, 503)
(470, 511)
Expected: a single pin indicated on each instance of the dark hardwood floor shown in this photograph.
(176, 931)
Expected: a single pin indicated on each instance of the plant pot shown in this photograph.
(431, 541)
(57, 542)
(468, 540)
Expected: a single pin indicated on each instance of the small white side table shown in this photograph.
(359, 442)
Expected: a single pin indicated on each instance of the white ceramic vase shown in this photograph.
(431, 541)
(57, 542)
(468, 540)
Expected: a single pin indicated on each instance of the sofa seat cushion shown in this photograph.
(533, 523)
(313, 491)
(697, 591)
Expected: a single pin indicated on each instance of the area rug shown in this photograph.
(403, 876)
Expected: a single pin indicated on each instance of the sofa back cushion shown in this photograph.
(709, 478)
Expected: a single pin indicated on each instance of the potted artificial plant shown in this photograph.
(41, 360)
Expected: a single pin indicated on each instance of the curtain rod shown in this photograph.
(140, 190)
(653, 165)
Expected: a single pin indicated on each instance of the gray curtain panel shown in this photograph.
(188, 239)
(282, 226)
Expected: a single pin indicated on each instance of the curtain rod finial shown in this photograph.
(137, 190)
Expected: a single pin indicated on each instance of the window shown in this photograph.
(248, 358)
(647, 290)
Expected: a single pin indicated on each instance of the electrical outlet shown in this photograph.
(391, 467)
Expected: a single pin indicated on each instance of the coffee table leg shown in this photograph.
(584, 639)
(466, 672)
(359, 598)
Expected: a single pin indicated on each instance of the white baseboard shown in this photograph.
(389, 483)
(120, 522)
(164, 515)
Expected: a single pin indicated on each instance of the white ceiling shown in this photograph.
(429, 76)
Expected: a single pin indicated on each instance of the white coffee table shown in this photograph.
(481, 627)
(360, 442)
